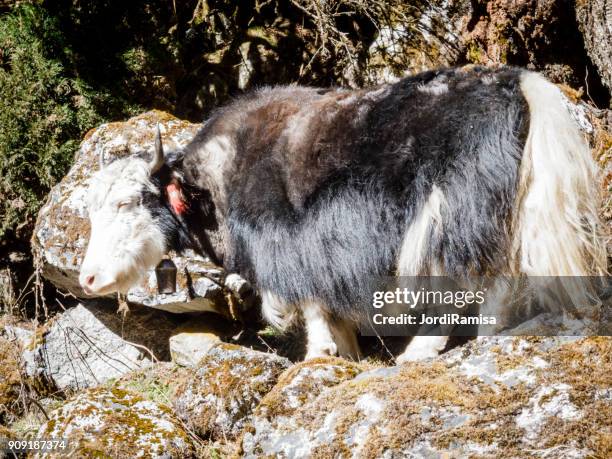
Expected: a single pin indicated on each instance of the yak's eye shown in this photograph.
(124, 204)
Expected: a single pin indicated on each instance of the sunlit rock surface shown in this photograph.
(116, 423)
(227, 386)
(492, 397)
(89, 344)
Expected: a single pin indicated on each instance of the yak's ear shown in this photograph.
(158, 154)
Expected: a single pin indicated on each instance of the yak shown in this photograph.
(309, 192)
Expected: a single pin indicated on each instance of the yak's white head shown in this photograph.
(127, 210)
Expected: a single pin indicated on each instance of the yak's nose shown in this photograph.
(87, 282)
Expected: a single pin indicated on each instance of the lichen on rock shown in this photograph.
(303, 382)
(116, 423)
(296, 387)
(495, 397)
(227, 386)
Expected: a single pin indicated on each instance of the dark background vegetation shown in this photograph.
(67, 66)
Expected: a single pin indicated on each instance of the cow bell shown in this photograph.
(165, 272)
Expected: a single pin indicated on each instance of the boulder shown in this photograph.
(539, 35)
(298, 386)
(191, 342)
(62, 228)
(303, 382)
(158, 382)
(90, 344)
(496, 396)
(116, 423)
(216, 398)
(594, 19)
(226, 387)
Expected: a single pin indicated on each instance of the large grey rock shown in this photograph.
(217, 397)
(192, 341)
(90, 344)
(62, 228)
(594, 19)
(298, 386)
(116, 423)
(496, 396)
(226, 387)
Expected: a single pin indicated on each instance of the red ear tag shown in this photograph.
(175, 198)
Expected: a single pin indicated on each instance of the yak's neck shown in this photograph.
(204, 223)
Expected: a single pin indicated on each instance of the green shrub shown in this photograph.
(44, 112)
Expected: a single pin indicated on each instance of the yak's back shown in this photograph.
(294, 143)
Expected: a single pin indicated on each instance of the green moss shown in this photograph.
(474, 53)
(123, 427)
(10, 380)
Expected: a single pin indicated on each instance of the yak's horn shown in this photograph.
(158, 154)
(102, 158)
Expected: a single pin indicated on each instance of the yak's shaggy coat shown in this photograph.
(310, 192)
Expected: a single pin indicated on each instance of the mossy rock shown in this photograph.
(227, 386)
(117, 423)
(303, 382)
(297, 386)
(159, 382)
(496, 397)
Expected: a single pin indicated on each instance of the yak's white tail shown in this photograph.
(557, 231)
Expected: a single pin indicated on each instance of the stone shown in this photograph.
(8, 297)
(216, 398)
(104, 422)
(188, 348)
(227, 386)
(20, 333)
(90, 344)
(495, 396)
(62, 228)
(538, 35)
(303, 382)
(594, 19)
(297, 386)
(189, 343)
(158, 382)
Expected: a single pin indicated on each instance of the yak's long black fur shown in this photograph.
(313, 211)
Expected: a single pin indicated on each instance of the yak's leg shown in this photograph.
(422, 347)
(319, 335)
(345, 337)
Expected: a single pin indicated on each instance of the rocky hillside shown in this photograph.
(195, 373)
(493, 397)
